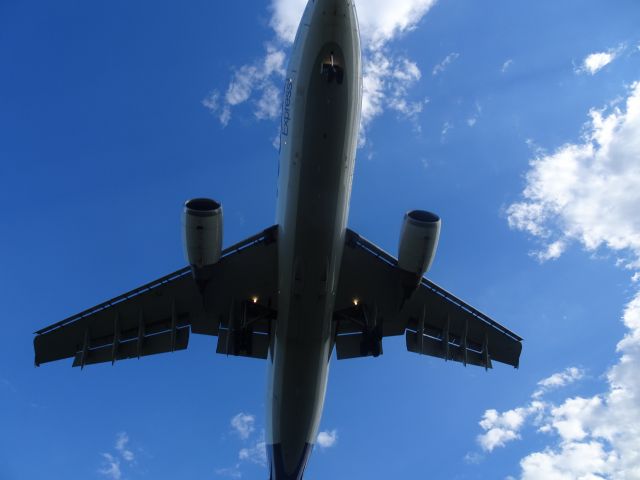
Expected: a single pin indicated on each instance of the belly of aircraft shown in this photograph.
(309, 267)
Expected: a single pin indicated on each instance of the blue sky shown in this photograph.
(517, 122)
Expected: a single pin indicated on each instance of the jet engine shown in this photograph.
(418, 241)
(202, 233)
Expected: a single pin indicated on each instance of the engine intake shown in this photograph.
(202, 232)
(418, 241)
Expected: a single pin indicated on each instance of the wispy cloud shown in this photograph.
(506, 65)
(444, 64)
(260, 76)
(253, 447)
(6, 384)
(256, 453)
(386, 82)
(243, 424)
(112, 462)
(230, 472)
(473, 118)
(558, 380)
(446, 127)
(110, 467)
(122, 439)
(327, 438)
(473, 458)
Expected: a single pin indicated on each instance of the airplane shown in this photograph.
(306, 286)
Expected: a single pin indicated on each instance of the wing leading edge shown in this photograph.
(374, 302)
(237, 304)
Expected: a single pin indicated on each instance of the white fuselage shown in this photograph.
(319, 132)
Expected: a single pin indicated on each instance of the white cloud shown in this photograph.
(595, 62)
(473, 458)
(231, 472)
(387, 76)
(446, 126)
(269, 104)
(260, 77)
(327, 439)
(254, 449)
(552, 251)
(110, 467)
(502, 428)
(442, 66)
(385, 84)
(595, 437)
(255, 76)
(122, 439)
(211, 101)
(580, 461)
(257, 453)
(588, 191)
(558, 380)
(473, 119)
(243, 424)
(225, 115)
(506, 65)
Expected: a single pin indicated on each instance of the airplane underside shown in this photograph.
(306, 286)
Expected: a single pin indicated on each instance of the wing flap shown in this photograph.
(143, 314)
(151, 345)
(445, 317)
(438, 347)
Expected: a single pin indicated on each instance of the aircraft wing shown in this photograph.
(373, 302)
(237, 304)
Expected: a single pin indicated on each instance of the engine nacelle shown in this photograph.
(418, 241)
(202, 232)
